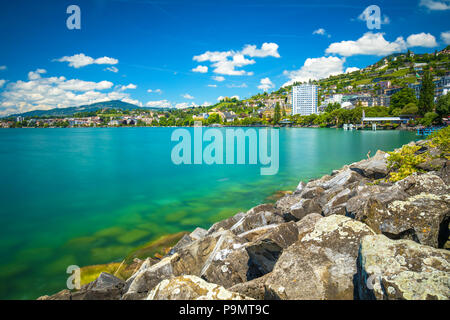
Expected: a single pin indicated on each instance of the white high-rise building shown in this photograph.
(304, 99)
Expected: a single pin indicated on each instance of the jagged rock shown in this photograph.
(105, 287)
(283, 235)
(263, 256)
(433, 165)
(300, 187)
(145, 279)
(184, 241)
(187, 260)
(312, 192)
(338, 203)
(373, 168)
(419, 183)
(305, 207)
(422, 218)
(198, 233)
(192, 288)
(254, 288)
(257, 232)
(225, 224)
(268, 207)
(62, 295)
(321, 265)
(254, 220)
(228, 263)
(284, 204)
(343, 178)
(306, 225)
(401, 269)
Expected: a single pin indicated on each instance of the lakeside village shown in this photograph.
(403, 91)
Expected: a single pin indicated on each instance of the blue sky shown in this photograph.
(180, 53)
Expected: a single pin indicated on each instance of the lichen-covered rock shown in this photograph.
(422, 218)
(105, 287)
(228, 263)
(191, 259)
(321, 265)
(374, 168)
(300, 187)
(284, 204)
(283, 234)
(402, 269)
(254, 220)
(305, 207)
(306, 225)
(419, 183)
(225, 224)
(338, 203)
(190, 287)
(254, 288)
(198, 233)
(62, 295)
(312, 192)
(341, 179)
(257, 232)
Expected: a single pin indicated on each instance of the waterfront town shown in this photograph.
(390, 88)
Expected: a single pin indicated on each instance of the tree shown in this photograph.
(426, 100)
(443, 105)
(332, 106)
(428, 119)
(402, 98)
(277, 115)
(410, 108)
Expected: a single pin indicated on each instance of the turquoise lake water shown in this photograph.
(86, 196)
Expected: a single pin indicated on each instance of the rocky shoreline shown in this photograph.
(353, 234)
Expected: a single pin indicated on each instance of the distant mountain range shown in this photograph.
(59, 112)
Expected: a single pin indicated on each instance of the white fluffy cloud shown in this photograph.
(55, 92)
(315, 69)
(212, 85)
(369, 44)
(267, 50)
(159, 104)
(436, 5)
(266, 84)
(227, 62)
(154, 91)
(2, 82)
(130, 86)
(421, 40)
(188, 96)
(200, 69)
(82, 60)
(219, 78)
(445, 36)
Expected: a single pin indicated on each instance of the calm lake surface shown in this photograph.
(86, 196)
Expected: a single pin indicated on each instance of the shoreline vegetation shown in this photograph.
(385, 218)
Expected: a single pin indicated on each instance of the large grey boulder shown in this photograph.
(254, 220)
(321, 265)
(401, 269)
(306, 225)
(225, 224)
(190, 287)
(373, 168)
(305, 207)
(254, 288)
(105, 287)
(422, 218)
(419, 183)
